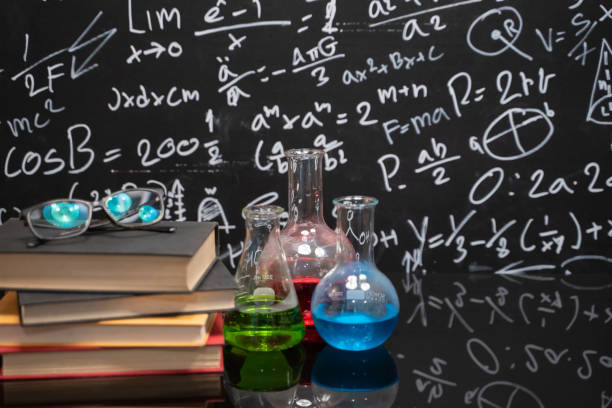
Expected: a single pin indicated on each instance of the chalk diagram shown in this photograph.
(505, 394)
(517, 133)
(600, 105)
(577, 272)
(497, 31)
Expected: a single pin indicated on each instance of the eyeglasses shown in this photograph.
(137, 208)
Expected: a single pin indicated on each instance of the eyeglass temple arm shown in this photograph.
(155, 228)
(22, 217)
(23, 214)
(35, 242)
(98, 223)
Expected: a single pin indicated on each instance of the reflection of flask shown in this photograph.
(354, 378)
(262, 379)
(304, 393)
(310, 245)
(263, 370)
(355, 306)
(267, 315)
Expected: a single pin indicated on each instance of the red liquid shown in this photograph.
(307, 271)
(304, 287)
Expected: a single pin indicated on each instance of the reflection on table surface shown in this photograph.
(333, 378)
(520, 340)
(475, 341)
(194, 390)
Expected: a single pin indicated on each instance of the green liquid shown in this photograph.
(257, 328)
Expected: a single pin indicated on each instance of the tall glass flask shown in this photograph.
(310, 245)
(355, 306)
(267, 315)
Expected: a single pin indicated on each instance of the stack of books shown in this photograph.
(112, 316)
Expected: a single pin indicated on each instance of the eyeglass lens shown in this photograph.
(59, 219)
(135, 207)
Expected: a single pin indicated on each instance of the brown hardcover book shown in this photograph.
(170, 331)
(21, 363)
(215, 293)
(109, 261)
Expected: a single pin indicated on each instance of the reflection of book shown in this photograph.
(109, 261)
(214, 293)
(59, 362)
(132, 391)
(170, 331)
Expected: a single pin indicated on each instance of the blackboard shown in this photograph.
(482, 126)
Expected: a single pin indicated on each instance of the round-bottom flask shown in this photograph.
(267, 315)
(354, 379)
(355, 306)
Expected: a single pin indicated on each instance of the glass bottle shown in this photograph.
(355, 306)
(267, 315)
(349, 379)
(310, 245)
(262, 379)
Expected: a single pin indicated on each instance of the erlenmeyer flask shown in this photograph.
(355, 306)
(351, 379)
(267, 315)
(309, 244)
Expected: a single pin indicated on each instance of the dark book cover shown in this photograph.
(184, 241)
(146, 391)
(218, 278)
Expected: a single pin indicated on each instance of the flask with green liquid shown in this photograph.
(267, 315)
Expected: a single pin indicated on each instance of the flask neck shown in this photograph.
(357, 225)
(262, 227)
(258, 233)
(306, 187)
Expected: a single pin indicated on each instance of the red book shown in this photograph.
(76, 361)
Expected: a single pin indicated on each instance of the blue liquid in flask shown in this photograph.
(355, 330)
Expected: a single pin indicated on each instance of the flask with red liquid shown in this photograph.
(309, 244)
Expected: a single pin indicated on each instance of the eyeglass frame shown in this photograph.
(91, 205)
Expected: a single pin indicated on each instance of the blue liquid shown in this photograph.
(355, 330)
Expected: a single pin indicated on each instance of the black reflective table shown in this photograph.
(481, 341)
(511, 341)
